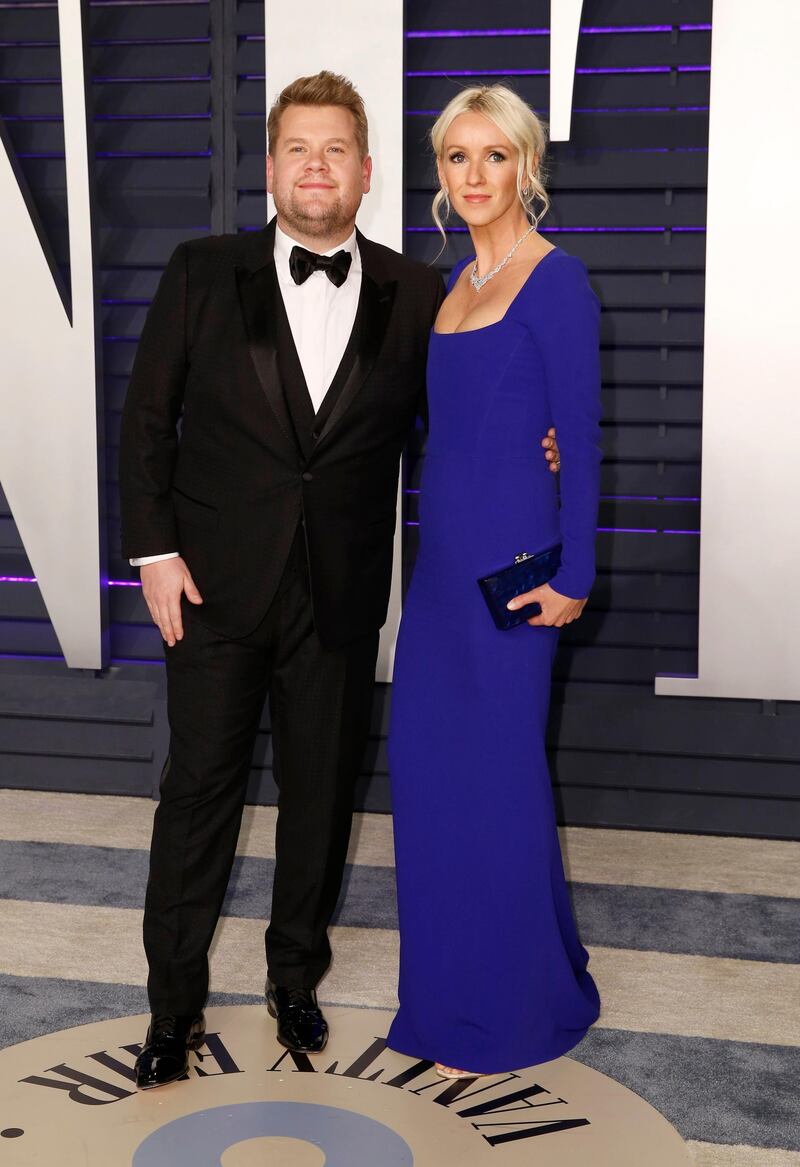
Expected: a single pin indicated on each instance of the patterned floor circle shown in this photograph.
(68, 1098)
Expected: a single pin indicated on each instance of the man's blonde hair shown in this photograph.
(324, 88)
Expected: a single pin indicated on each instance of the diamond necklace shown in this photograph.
(478, 281)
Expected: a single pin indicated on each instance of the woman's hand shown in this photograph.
(552, 452)
(557, 610)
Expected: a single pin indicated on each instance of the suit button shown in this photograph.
(308, 477)
(315, 435)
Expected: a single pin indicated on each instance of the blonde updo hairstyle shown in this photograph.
(523, 129)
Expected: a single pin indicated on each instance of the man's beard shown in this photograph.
(315, 220)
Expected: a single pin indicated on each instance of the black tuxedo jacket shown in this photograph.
(222, 455)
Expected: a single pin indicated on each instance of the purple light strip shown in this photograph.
(182, 40)
(574, 230)
(126, 154)
(107, 80)
(600, 30)
(618, 497)
(25, 4)
(31, 579)
(587, 110)
(605, 71)
(616, 530)
(27, 656)
(115, 660)
(55, 119)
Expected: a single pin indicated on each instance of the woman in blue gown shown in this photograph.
(492, 974)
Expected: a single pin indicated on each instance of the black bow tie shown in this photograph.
(302, 263)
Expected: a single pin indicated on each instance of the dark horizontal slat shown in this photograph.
(118, 178)
(631, 90)
(652, 366)
(666, 251)
(628, 591)
(39, 22)
(696, 812)
(500, 53)
(14, 562)
(30, 636)
(150, 97)
(69, 739)
(148, 245)
(155, 208)
(738, 731)
(649, 404)
(422, 14)
(667, 479)
(599, 209)
(148, 21)
(129, 283)
(27, 771)
(679, 443)
(670, 327)
(604, 663)
(649, 289)
(76, 699)
(110, 62)
(165, 135)
(668, 630)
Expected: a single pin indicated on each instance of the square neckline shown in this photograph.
(512, 302)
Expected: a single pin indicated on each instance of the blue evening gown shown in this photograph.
(492, 974)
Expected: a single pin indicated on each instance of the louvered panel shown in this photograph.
(628, 199)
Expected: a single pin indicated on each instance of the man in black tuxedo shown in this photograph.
(295, 359)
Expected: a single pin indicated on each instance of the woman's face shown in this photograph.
(478, 169)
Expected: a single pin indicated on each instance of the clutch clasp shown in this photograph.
(522, 557)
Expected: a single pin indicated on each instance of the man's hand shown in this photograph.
(557, 610)
(552, 454)
(162, 586)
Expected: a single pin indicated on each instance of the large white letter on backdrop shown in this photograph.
(48, 389)
(364, 41)
(750, 510)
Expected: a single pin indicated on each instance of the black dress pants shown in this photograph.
(320, 704)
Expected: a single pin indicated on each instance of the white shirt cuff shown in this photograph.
(145, 559)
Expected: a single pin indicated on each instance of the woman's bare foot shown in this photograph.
(450, 1072)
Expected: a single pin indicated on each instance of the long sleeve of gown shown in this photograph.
(567, 335)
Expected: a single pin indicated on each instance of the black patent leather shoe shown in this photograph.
(165, 1053)
(301, 1026)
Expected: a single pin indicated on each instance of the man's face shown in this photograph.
(315, 172)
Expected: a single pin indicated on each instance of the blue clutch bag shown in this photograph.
(526, 572)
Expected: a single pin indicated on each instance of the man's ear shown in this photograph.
(270, 173)
(366, 175)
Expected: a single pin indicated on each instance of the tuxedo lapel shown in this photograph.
(372, 320)
(259, 299)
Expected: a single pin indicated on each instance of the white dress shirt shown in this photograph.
(321, 317)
